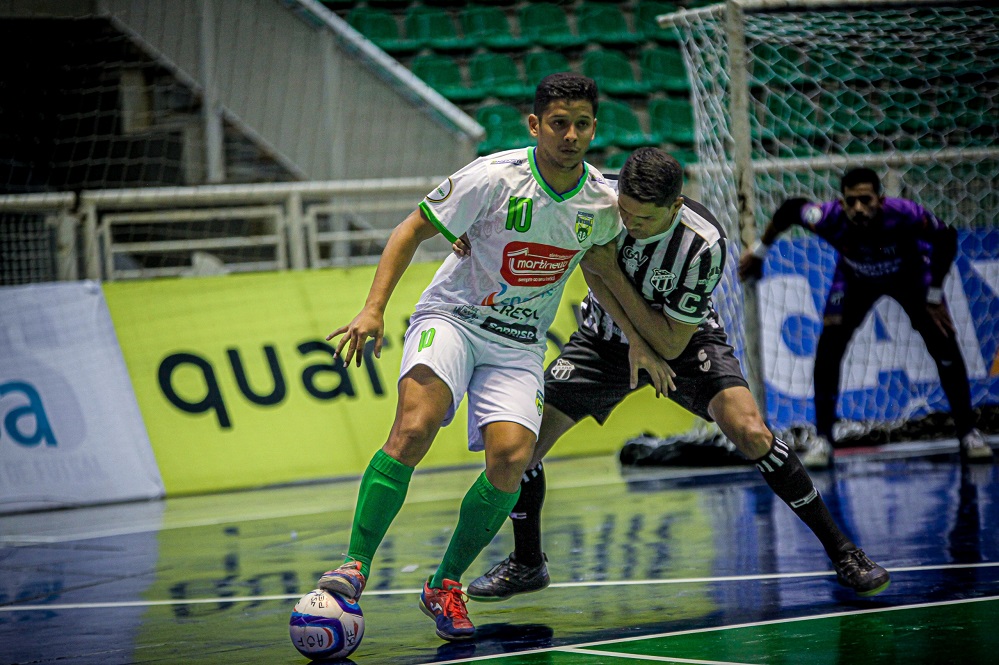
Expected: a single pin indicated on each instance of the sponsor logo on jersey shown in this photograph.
(516, 313)
(702, 356)
(714, 274)
(466, 312)
(562, 369)
(515, 331)
(539, 401)
(584, 225)
(534, 264)
(491, 298)
(442, 192)
(633, 259)
(663, 280)
(509, 160)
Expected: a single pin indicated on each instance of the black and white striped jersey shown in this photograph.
(675, 271)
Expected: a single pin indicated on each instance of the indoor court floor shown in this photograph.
(652, 565)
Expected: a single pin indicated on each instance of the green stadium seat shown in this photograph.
(852, 113)
(663, 69)
(395, 5)
(645, 21)
(618, 126)
(547, 24)
(614, 161)
(506, 128)
(906, 110)
(539, 64)
(613, 73)
(604, 24)
(498, 75)
(380, 27)
(434, 28)
(442, 73)
(489, 27)
(776, 65)
(685, 156)
(671, 120)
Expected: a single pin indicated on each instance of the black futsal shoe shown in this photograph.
(508, 578)
(858, 572)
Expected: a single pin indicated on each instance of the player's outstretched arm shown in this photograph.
(396, 257)
(751, 261)
(666, 336)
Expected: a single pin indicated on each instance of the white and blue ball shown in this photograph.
(326, 626)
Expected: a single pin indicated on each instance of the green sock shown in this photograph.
(382, 492)
(483, 511)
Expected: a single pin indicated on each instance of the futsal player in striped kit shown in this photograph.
(670, 256)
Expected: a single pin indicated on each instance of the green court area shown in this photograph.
(948, 632)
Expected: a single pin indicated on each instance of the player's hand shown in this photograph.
(941, 318)
(641, 356)
(462, 247)
(355, 335)
(750, 266)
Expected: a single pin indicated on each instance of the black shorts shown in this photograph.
(591, 376)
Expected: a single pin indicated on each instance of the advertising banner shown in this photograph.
(70, 429)
(238, 387)
(887, 374)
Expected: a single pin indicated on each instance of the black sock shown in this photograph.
(789, 480)
(526, 516)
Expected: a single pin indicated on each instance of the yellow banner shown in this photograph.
(238, 387)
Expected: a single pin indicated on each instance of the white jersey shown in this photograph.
(526, 240)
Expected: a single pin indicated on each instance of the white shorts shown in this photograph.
(503, 383)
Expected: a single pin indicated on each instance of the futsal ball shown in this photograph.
(326, 626)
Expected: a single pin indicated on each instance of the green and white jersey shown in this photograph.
(526, 240)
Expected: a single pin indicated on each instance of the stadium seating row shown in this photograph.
(537, 23)
(499, 75)
(670, 121)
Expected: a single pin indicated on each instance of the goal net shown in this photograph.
(787, 96)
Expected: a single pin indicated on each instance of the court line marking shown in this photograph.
(397, 592)
(583, 647)
(631, 656)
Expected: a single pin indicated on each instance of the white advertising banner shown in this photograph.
(71, 432)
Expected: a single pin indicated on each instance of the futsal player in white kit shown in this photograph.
(479, 329)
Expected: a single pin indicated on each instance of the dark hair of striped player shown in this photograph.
(651, 175)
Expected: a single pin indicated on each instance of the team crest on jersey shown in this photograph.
(662, 280)
(562, 369)
(539, 401)
(584, 225)
(442, 192)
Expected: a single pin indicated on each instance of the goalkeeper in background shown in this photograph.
(651, 294)
(886, 247)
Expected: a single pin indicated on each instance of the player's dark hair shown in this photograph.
(860, 176)
(565, 86)
(651, 175)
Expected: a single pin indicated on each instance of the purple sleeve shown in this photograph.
(936, 243)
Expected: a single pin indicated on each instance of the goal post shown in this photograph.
(787, 95)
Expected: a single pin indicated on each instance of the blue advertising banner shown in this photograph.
(888, 375)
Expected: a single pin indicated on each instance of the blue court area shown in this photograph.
(665, 565)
